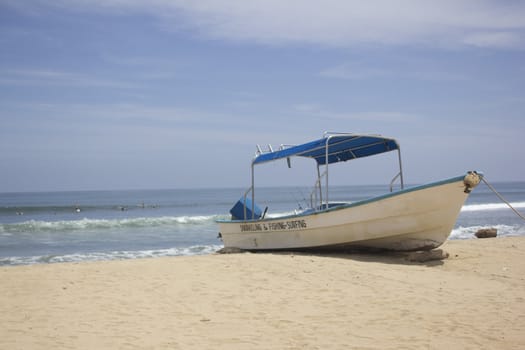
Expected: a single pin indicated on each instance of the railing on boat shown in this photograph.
(394, 180)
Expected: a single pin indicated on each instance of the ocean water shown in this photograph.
(49, 227)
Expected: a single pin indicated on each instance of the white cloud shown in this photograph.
(352, 71)
(316, 110)
(406, 69)
(43, 77)
(495, 39)
(340, 23)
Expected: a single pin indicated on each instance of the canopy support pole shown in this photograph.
(326, 169)
(320, 186)
(400, 167)
(253, 193)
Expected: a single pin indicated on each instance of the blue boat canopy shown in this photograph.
(339, 147)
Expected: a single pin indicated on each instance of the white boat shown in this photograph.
(416, 218)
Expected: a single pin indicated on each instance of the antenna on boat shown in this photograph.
(259, 151)
(270, 148)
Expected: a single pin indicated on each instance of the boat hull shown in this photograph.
(420, 218)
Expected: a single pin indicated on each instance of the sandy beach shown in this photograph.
(475, 299)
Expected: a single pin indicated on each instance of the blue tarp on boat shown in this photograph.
(341, 148)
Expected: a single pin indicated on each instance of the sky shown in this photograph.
(112, 94)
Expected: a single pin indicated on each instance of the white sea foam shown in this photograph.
(491, 206)
(115, 255)
(503, 230)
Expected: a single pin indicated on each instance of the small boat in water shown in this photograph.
(416, 218)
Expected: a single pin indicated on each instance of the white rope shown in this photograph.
(503, 199)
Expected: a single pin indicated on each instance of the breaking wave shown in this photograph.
(33, 226)
(491, 206)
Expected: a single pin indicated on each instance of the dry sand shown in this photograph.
(473, 300)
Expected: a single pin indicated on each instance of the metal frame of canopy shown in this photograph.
(353, 146)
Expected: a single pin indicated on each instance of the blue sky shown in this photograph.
(175, 94)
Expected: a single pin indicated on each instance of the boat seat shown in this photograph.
(238, 210)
